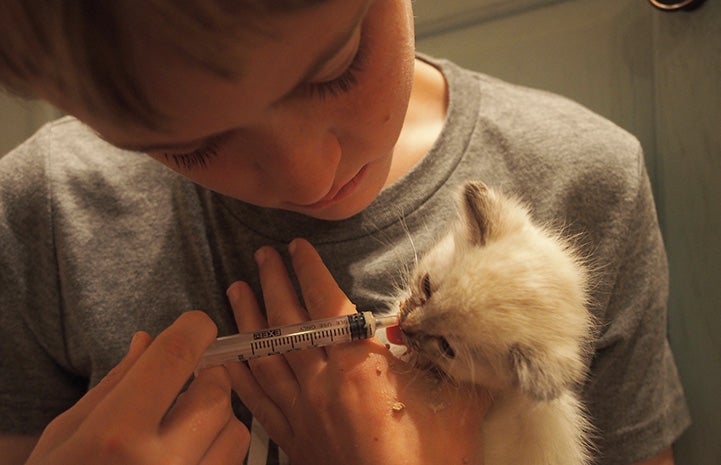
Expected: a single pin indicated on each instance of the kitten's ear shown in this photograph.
(476, 206)
(535, 375)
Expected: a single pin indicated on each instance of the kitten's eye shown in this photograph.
(426, 286)
(439, 346)
(446, 347)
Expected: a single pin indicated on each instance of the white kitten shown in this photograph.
(501, 303)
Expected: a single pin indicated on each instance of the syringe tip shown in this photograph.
(385, 321)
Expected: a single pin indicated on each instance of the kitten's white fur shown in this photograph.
(501, 302)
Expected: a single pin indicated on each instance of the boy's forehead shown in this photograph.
(185, 92)
(341, 35)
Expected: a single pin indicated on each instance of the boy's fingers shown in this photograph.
(263, 408)
(279, 295)
(230, 446)
(321, 294)
(72, 418)
(199, 415)
(245, 308)
(282, 307)
(162, 370)
(272, 373)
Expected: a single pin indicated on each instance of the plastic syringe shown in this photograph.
(304, 335)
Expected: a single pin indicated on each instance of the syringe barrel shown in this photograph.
(281, 339)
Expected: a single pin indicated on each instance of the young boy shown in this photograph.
(292, 119)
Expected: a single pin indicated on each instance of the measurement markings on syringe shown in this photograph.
(270, 342)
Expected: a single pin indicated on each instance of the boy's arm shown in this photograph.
(15, 449)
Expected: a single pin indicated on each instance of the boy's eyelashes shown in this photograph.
(343, 83)
(198, 158)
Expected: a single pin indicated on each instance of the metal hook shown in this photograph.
(674, 5)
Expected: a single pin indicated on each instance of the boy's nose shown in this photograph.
(306, 162)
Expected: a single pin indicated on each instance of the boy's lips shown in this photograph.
(336, 195)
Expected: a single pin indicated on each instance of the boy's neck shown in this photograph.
(424, 119)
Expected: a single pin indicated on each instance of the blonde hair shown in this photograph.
(79, 48)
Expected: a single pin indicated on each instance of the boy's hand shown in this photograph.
(349, 403)
(128, 419)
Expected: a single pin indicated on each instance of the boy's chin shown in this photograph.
(339, 211)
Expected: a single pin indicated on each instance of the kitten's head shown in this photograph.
(499, 302)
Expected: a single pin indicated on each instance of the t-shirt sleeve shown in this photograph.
(634, 393)
(36, 384)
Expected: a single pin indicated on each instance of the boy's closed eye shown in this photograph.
(342, 80)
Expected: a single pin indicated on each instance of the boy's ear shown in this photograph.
(476, 209)
(542, 379)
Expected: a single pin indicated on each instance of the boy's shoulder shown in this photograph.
(546, 127)
(66, 167)
(68, 141)
(67, 152)
(548, 119)
(548, 149)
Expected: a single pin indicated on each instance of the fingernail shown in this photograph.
(260, 255)
(134, 340)
(292, 246)
(233, 291)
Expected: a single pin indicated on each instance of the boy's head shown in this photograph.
(88, 49)
(296, 106)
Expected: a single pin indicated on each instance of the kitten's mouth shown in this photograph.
(436, 346)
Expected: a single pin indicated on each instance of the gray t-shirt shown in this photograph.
(96, 243)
